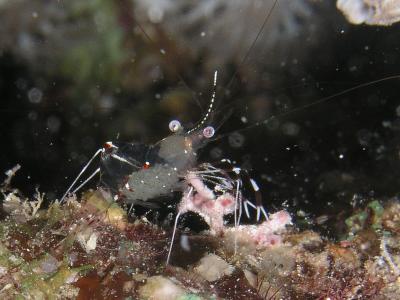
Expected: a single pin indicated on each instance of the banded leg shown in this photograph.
(242, 173)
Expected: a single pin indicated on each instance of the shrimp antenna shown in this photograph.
(242, 62)
(80, 174)
(172, 238)
(253, 44)
(175, 227)
(170, 61)
(244, 59)
(320, 101)
(209, 111)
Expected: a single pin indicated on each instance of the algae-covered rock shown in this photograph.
(161, 288)
(88, 249)
(212, 267)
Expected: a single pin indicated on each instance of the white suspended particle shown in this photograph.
(175, 126)
(35, 95)
(236, 140)
(155, 14)
(398, 111)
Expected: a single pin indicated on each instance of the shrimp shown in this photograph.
(152, 171)
(137, 174)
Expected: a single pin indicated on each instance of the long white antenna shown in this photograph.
(80, 174)
(175, 227)
(173, 237)
(86, 181)
(210, 106)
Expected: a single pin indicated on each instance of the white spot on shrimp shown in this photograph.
(236, 170)
(254, 185)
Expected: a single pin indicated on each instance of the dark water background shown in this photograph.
(73, 76)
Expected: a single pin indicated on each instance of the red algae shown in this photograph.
(113, 286)
(236, 287)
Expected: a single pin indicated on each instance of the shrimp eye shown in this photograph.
(109, 147)
(208, 132)
(175, 125)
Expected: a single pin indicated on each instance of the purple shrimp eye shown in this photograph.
(175, 125)
(208, 132)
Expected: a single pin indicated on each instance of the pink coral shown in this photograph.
(265, 234)
(212, 210)
(213, 205)
(203, 201)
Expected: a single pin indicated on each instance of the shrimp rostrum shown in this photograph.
(137, 174)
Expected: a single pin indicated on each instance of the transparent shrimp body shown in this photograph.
(140, 173)
(150, 172)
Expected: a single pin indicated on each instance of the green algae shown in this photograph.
(190, 297)
(55, 213)
(8, 259)
(34, 285)
(33, 281)
(48, 285)
(370, 217)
